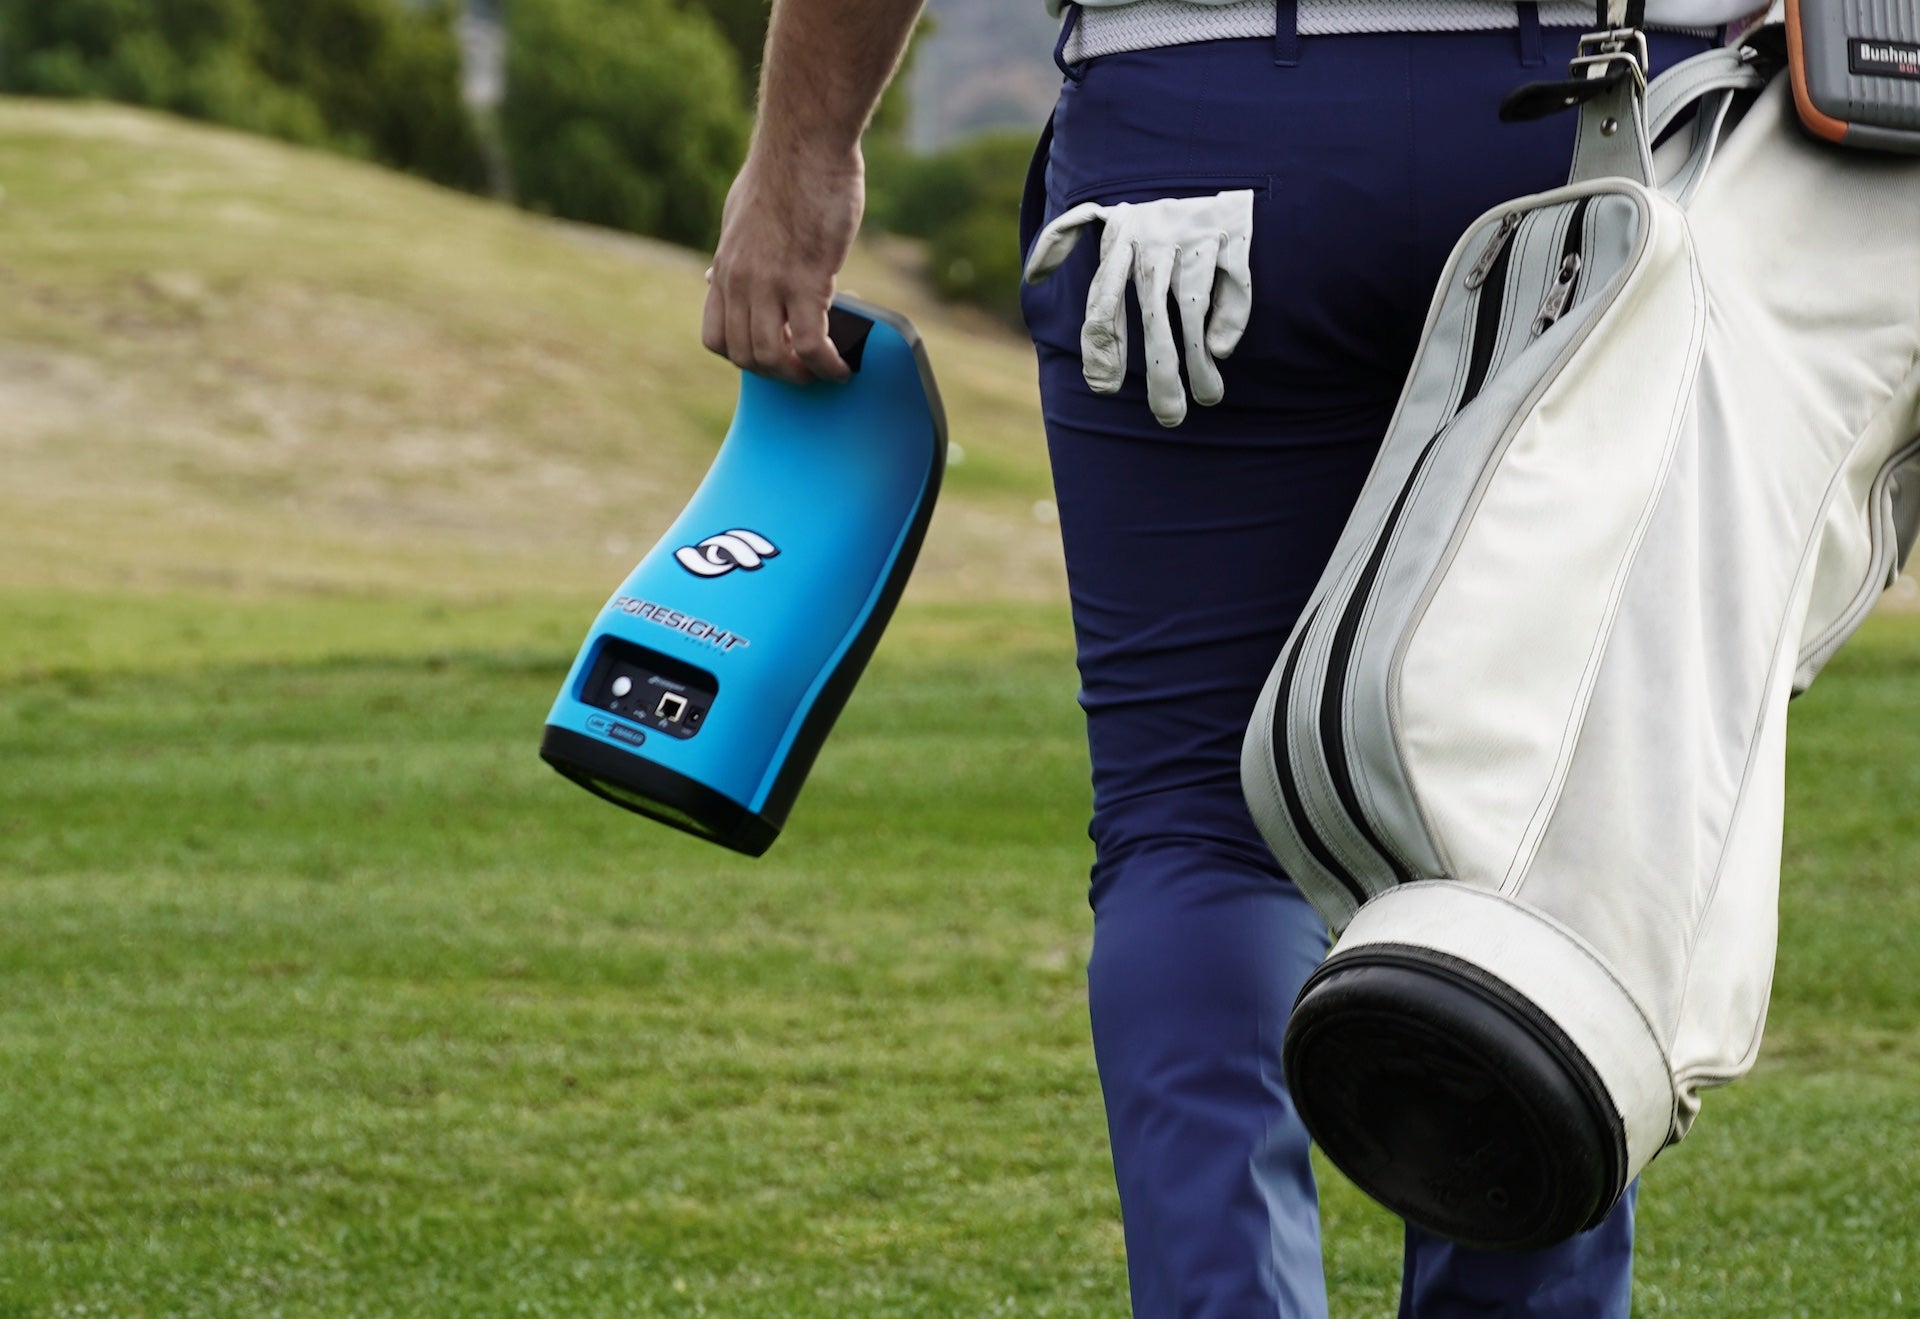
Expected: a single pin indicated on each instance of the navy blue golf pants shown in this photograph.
(1190, 552)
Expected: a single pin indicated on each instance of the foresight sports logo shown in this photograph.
(718, 555)
(697, 628)
(1888, 59)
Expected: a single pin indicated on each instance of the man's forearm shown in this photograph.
(792, 214)
(827, 62)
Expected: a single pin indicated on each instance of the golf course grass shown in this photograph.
(321, 995)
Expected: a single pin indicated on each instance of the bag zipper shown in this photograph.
(1561, 292)
(1290, 786)
(1496, 246)
(1339, 659)
(1488, 277)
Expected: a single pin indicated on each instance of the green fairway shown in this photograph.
(320, 995)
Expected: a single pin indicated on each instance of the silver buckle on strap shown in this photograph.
(1598, 52)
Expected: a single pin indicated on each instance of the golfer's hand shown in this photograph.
(785, 232)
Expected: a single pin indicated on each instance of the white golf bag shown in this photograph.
(1658, 455)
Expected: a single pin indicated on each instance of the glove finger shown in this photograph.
(1232, 294)
(1103, 335)
(1056, 242)
(1152, 279)
(1192, 291)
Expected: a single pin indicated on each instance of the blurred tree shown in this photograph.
(385, 76)
(977, 260)
(365, 76)
(627, 113)
(744, 25)
(966, 202)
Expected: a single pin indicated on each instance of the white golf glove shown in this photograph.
(1195, 247)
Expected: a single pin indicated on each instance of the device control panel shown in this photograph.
(659, 693)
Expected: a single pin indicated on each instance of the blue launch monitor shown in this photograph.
(709, 681)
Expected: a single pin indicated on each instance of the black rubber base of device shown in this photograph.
(1453, 1100)
(656, 792)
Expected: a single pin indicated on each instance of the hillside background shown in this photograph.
(230, 364)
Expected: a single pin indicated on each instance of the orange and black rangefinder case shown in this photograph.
(1856, 71)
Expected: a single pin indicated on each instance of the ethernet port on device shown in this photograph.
(660, 693)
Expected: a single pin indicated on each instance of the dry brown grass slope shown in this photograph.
(231, 365)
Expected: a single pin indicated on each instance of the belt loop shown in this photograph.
(1533, 50)
(1286, 33)
(1075, 71)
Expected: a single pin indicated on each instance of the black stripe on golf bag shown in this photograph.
(1283, 770)
(1333, 736)
(1486, 332)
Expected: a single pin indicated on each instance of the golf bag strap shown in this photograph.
(1612, 140)
(1707, 129)
(1727, 68)
(1712, 83)
(1615, 52)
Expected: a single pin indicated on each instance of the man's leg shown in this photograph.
(1190, 553)
(1188, 563)
(1590, 1276)
(1196, 958)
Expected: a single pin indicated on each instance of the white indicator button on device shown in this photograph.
(622, 685)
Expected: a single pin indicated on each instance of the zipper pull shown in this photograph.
(1495, 245)
(1559, 294)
